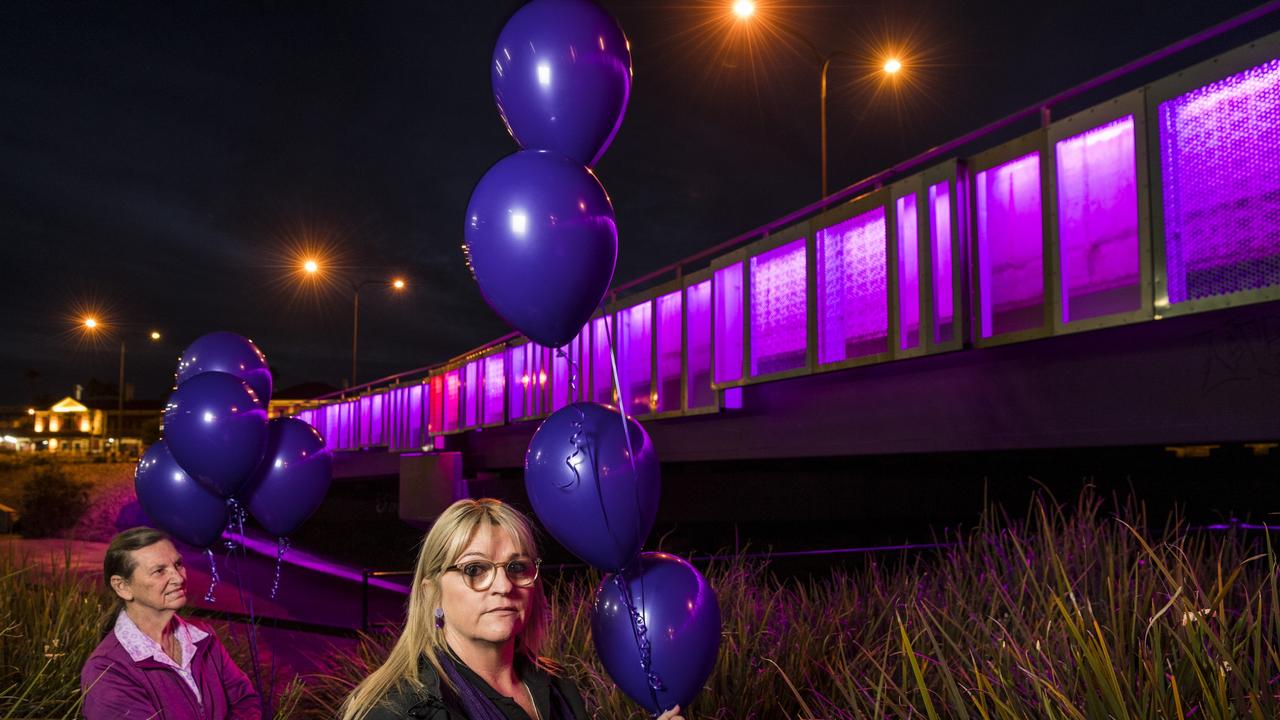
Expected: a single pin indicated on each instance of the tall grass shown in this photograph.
(1067, 612)
(51, 618)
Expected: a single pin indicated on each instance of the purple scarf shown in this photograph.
(479, 707)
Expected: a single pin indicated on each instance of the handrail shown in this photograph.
(878, 179)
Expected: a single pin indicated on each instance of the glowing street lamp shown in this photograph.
(92, 325)
(397, 284)
(745, 9)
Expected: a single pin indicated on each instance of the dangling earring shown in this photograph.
(439, 618)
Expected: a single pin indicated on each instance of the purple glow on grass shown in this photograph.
(908, 272)
(940, 262)
(853, 288)
(635, 357)
(670, 358)
(729, 327)
(452, 393)
(1097, 180)
(779, 315)
(1219, 154)
(698, 320)
(1010, 246)
(470, 393)
(495, 388)
(601, 364)
(303, 559)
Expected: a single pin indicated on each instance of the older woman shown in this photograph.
(476, 623)
(152, 663)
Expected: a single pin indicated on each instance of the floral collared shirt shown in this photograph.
(140, 647)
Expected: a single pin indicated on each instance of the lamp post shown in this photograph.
(396, 284)
(745, 9)
(93, 325)
(312, 267)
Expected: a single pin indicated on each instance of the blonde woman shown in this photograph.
(474, 631)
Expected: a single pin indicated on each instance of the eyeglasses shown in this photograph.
(479, 574)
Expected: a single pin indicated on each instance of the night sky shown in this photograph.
(159, 163)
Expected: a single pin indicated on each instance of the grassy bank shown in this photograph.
(1076, 612)
(1063, 612)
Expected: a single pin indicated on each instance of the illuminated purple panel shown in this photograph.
(470, 393)
(635, 357)
(518, 390)
(940, 262)
(539, 380)
(452, 400)
(853, 288)
(601, 364)
(1220, 159)
(670, 360)
(393, 411)
(562, 390)
(698, 357)
(414, 425)
(729, 327)
(1097, 176)
(779, 318)
(1010, 246)
(908, 272)
(377, 418)
(495, 388)
(365, 423)
(435, 414)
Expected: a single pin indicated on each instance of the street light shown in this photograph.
(745, 10)
(396, 284)
(315, 271)
(92, 325)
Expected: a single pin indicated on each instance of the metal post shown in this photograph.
(355, 332)
(826, 65)
(120, 401)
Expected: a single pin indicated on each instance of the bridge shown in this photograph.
(1108, 278)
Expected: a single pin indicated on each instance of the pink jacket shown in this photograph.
(114, 686)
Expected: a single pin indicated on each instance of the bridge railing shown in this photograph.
(1162, 201)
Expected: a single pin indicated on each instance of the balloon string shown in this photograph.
(237, 519)
(576, 437)
(641, 633)
(282, 547)
(213, 576)
(617, 389)
(638, 627)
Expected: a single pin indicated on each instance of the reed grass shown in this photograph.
(1068, 612)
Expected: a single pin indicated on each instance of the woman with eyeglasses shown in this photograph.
(475, 628)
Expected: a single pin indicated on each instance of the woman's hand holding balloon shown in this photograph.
(672, 714)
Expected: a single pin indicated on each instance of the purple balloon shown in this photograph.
(541, 242)
(580, 482)
(292, 479)
(561, 77)
(175, 502)
(229, 353)
(682, 620)
(216, 430)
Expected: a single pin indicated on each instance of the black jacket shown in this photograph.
(437, 701)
